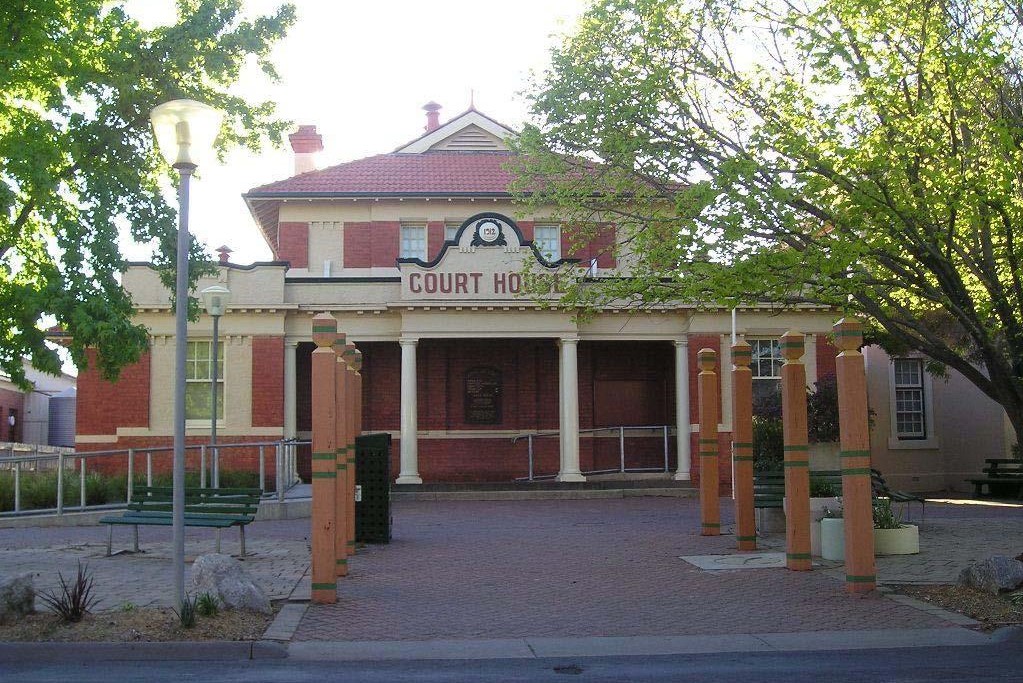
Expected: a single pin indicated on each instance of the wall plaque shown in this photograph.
(483, 396)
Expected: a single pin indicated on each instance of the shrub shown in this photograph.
(75, 599)
(884, 515)
(768, 444)
(822, 410)
(186, 615)
(822, 489)
(208, 605)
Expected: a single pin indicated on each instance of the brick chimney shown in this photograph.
(305, 143)
(225, 254)
(432, 116)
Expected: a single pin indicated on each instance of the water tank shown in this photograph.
(62, 418)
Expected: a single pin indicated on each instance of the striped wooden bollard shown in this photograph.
(710, 503)
(357, 410)
(854, 432)
(797, 453)
(324, 472)
(742, 446)
(352, 392)
(341, 457)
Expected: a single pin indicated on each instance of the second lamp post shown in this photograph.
(215, 299)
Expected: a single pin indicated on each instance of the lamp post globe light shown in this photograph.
(185, 131)
(215, 299)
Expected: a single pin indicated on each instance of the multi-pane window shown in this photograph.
(547, 239)
(413, 240)
(766, 366)
(451, 229)
(198, 376)
(909, 398)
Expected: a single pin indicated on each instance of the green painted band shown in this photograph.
(743, 444)
(323, 456)
(855, 454)
(350, 544)
(325, 586)
(796, 463)
(852, 471)
(351, 459)
(342, 560)
(324, 475)
(793, 345)
(324, 328)
(848, 333)
(713, 441)
(744, 458)
(742, 352)
(342, 466)
(709, 455)
(860, 579)
(796, 447)
(711, 525)
(745, 538)
(798, 556)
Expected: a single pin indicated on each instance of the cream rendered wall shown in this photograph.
(967, 428)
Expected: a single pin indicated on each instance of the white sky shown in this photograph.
(360, 71)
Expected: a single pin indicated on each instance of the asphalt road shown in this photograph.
(997, 662)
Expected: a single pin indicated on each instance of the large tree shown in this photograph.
(858, 154)
(78, 79)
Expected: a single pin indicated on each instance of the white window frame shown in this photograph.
(776, 359)
(547, 239)
(451, 227)
(407, 244)
(929, 438)
(205, 379)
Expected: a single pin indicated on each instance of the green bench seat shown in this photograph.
(1001, 477)
(217, 508)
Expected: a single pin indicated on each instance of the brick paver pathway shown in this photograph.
(575, 568)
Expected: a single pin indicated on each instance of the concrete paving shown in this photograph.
(524, 578)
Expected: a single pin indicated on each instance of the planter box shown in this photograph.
(817, 506)
(825, 456)
(902, 541)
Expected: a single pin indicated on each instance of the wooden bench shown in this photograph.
(1002, 477)
(769, 487)
(204, 507)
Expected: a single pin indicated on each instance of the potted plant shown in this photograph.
(832, 530)
(824, 496)
(891, 536)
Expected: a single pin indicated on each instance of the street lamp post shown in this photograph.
(215, 299)
(185, 130)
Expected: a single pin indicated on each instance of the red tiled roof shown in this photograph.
(428, 173)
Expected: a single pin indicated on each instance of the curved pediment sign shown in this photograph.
(483, 262)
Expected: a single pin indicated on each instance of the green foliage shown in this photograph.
(39, 489)
(884, 515)
(75, 599)
(1016, 598)
(186, 615)
(822, 411)
(208, 605)
(78, 79)
(823, 489)
(768, 444)
(858, 155)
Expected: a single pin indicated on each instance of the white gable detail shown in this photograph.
(471, 138)
(470, 125)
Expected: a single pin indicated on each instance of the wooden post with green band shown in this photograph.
(340, 375)
(797, 453)
(350, 394)
(742, 446)
(854, 433)
(710, 503)
(357, 420)
(324, 472)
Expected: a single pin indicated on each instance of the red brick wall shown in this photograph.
(11, 400)
(826, 353)
(434, 239)
(104, 406)
(384, 243)
(293, 244)
(358, 244)
(268, 381)
(526, 228)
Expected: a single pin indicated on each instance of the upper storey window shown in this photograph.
(547, 239)
(451, 229)
(413, 240)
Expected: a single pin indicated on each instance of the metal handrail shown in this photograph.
(621, 429)
(285, 458)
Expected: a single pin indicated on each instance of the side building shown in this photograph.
(418, 253)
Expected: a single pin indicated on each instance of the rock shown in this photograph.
(225, 578)
(17, 596)
(993, 575)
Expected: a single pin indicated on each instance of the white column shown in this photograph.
(290, 410)
(682, 425)
(409, 415)
(569, 375)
